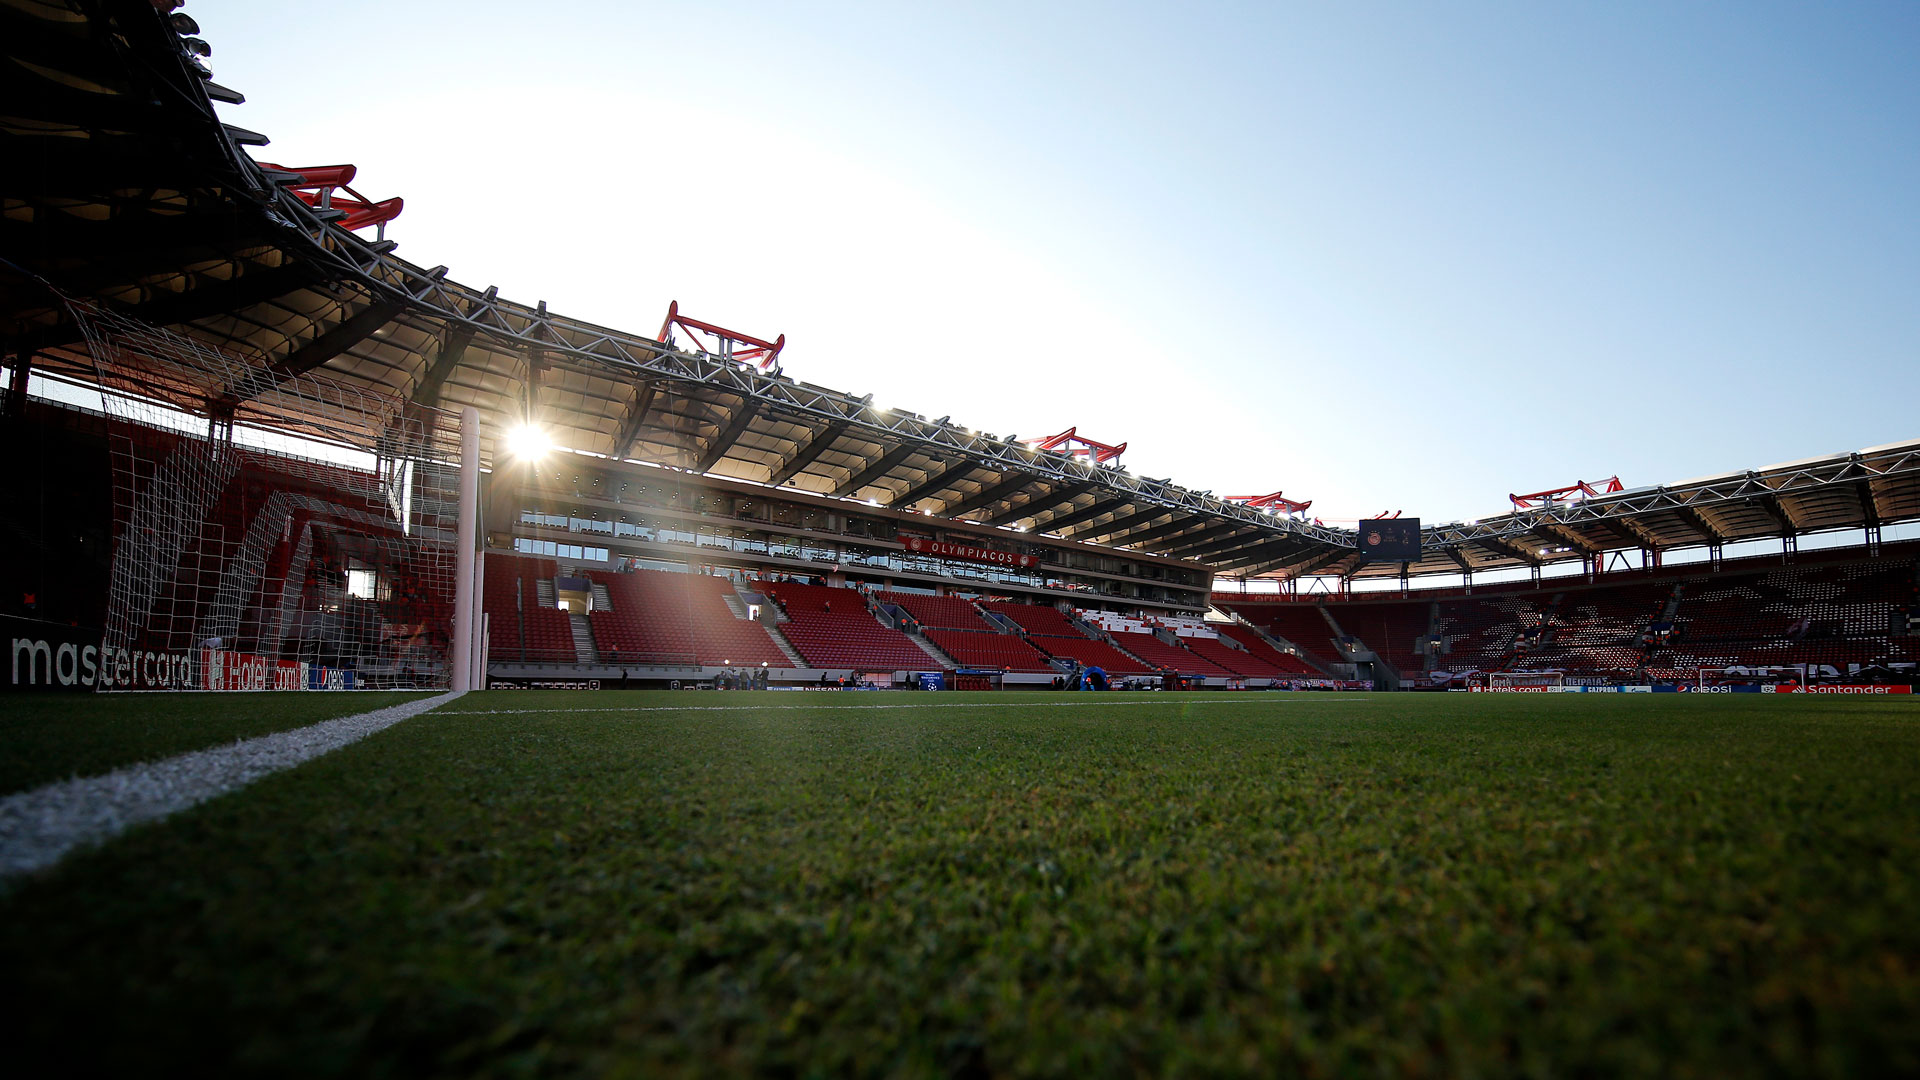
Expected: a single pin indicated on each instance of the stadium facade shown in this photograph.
(267, 493)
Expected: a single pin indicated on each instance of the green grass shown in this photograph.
(1363, 885)
(46, 737)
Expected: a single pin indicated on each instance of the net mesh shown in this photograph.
(271, 527)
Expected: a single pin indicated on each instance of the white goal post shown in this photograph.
(1526, 680)
(1743, 676)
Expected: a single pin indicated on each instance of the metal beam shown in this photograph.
(1869, 504)
(818, 443)
(1147, 536)
(324, 347)
(1221, 547)
(1180, 544)
(939, 481)
(862, 477)
(630, 428)
(1305, 566)
(1255, 545)
(1273, 549)
(989, 496)
(1628, 530)
(1453, 552)
(341, 337)
(170, 309)
(453, 349)
(1555, 531)
(1086, 513)
(727, 436)
(1040, 504)
(1771, 506)
(1698, 522)
(1108, 528)
(1502, 546)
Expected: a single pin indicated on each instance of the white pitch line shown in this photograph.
(1104, 703)
(39, 827)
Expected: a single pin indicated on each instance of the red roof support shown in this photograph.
(720, 341)
(1275, 501)
(1566, 494)
(1072, 443)
(317, 186)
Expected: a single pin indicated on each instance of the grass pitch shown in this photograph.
(53, 736)
(662, 884)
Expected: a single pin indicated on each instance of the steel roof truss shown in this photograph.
(636, 419)
(728, 435)
(1086, 513)
(1158, 532)
(1040, 504)
(1207, 539)
(816, 444)
(988, 496)
(860, 478)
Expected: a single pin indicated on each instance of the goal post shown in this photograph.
(276, 529)
(1706, 677)
(1533, 681)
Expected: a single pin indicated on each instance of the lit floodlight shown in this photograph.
(525, 442)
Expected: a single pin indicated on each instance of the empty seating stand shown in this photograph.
(500, 599)
(1297, 621)
(549, 629)
(1164, 657)
(1287, 664)
(832, 628)
(1231, 659)
(1054, 634)
(954, 625)
(661, 617)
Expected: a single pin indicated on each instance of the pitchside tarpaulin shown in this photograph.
(1389, 540)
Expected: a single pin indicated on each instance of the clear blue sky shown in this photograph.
(1406, 256)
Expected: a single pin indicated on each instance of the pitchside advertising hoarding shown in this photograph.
(50, 656)
(1683, 688)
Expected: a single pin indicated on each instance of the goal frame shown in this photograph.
(1704, 677)
(1538, 681)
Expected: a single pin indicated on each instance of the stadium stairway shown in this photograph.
(786, 647)
(933, 651)
(583, 649)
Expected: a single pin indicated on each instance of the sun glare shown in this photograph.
(525, 442)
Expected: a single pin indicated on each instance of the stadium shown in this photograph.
(256, 448)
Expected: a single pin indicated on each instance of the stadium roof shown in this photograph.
(123, 187)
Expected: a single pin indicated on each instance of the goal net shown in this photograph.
(1539, 681)
(1715, 677)
(271, 529)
